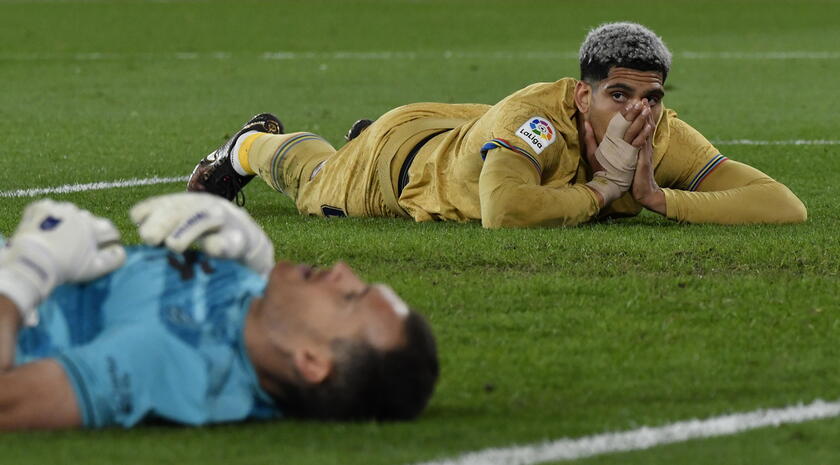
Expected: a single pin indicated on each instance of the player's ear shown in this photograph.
(583, 96)
(313, 364)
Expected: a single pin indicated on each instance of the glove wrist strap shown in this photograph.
(23, 293)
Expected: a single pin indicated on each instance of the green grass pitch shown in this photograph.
(543, 333)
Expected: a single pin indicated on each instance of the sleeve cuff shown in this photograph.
(672, 210)
(83, 395)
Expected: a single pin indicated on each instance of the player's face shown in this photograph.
(623, 86)
(334, 303)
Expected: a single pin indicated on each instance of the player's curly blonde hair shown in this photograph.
(627, 45)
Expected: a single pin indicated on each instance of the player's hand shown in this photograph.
(645, 189)
(220, 228)
(618, 151)
(617, 154)
(591, 147)
(55, 243)
(640, 125)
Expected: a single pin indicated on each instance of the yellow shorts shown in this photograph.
(361, 178)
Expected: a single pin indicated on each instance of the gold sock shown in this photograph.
(282, 160)
(245, 149)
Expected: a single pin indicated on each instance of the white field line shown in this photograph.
(93, 186)
(645, 437)
(403, 55)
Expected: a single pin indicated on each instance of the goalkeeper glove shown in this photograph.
(55, 243)
(221, 229)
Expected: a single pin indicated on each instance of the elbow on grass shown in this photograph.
(793, 211)
(501, 215)
(498, 221)
(789, 209)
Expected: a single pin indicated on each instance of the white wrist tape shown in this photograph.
(23, 293)
(617, 156)
(608, 189)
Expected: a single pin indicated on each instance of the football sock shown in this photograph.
(239, 153)
(283, 160)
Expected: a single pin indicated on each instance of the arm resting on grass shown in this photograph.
(37, 395)
(511, 195)
(736, 193)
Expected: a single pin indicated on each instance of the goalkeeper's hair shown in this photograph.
(626, 45)
(370, 384)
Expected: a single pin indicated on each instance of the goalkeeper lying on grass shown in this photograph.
(555, 153)
(93, 334)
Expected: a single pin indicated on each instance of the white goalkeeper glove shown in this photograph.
(618, 159)
(55, 243)
(221, 229)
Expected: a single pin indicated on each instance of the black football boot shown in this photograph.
(215, 173)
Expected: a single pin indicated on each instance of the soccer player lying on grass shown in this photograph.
(189, 338)
(559, 153)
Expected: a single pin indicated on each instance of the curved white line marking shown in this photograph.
(645, 437)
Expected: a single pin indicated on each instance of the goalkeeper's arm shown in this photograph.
(55, 243)
(35, 395)
(10, 321)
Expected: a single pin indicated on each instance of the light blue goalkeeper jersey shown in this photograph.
(160, 338)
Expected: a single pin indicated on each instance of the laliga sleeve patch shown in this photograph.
(538, 133)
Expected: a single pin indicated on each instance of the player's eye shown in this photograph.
(618, 97)
(653, 100)
(356, 295)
